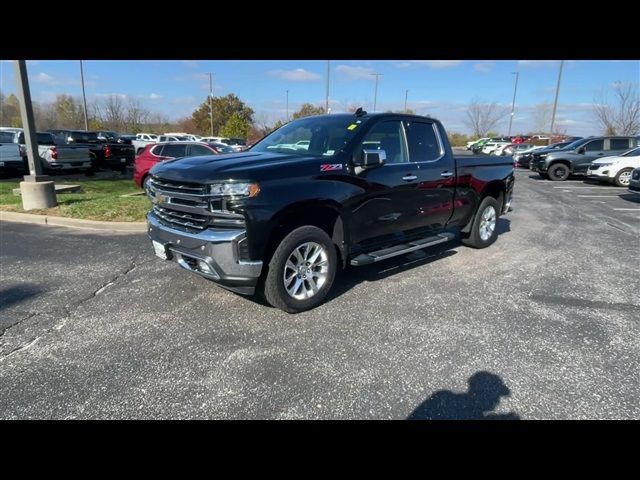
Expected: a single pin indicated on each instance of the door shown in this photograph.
(592, 151)
(387, 206)
(433, 196)
(199, 150)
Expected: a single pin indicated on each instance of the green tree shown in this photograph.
(69, 111)
(236, 127)
(307, 110)
(223, 108)
(10, 111)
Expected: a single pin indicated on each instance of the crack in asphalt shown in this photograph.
(69, 310)
(29, 315)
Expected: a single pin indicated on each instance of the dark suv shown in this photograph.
(577, 156)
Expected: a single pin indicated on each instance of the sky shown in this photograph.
(440, 88)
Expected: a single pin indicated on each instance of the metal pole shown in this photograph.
(555, 102)
(326, 99)
(26, 112)
(211, 101)
(287, 105)
(406, 94)
(375, 95)
(513, 103)
(84, 99)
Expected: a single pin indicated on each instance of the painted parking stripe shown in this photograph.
(599, 196)
(595, 187)
(628, 209)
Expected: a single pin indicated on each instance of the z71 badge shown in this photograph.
(330, 166)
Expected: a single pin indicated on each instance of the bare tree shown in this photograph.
(620, 115)
(111, 112)
(482, 116)
(541, 116)
(136, 115)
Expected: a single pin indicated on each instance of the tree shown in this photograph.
(10, 111)
(236, 127)
(482, 116)
(620, 115)
(136, 116)
(68, 112)
(307, 110)
(223, 109)
(541, 117)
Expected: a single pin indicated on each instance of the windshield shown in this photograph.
(6, 137)
(324, 136)
(84, 137)
(634, 152)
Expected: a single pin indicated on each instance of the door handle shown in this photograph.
(446, 174)
(409, 178)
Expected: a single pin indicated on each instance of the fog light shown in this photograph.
(204, 267)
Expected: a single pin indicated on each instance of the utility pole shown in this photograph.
(287, 105)
(211, 101)
(375, 95)
(84, 99)
(555, 102)
(406, 94)
(513, 103)
(36, 190)
(326, 98)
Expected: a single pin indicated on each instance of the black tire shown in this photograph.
(474, 238)
(273, 285)
(558, 172)
(617, 181)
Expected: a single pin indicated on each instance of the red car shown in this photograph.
(158, 152)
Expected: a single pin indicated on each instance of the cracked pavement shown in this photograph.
(92, 325)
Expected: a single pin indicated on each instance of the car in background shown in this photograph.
(113, 155)
(11, 159)
(510, 148)
(491, 147)
(634, 182)
(108, 135)
(522, 159)
(238, 144)
(142, 140)
(615, 169)
(173, 138)
(163, 151)
(478, 146)
(473, 142)
(220, 147)
(576, 157)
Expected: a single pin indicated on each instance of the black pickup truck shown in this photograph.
(105, 153)
(318, 194)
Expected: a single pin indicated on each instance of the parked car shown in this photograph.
(523, 158)
(173, 138)
(113, 155)
(473, 142)
(634, 182)
(576, 157)
(238, 144)
(220, 147)
(615, 169)
(283, 222)
(162, 151)
(491, 147)
(11, 159)
(513, 148)
(142, 140)
(478, 146)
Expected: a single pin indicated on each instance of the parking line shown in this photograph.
(599, 196)
(628, 209)
(595, 187)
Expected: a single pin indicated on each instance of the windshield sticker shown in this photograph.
(330, 166)
(353, 126)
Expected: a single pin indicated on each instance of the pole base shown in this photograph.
(38, 195)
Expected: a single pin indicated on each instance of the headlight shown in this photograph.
(235, 189)
(598, 165)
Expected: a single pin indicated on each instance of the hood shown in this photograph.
(608, 159)
(235, 166)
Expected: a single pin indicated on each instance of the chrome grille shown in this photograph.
(175, 218)
(169, 186)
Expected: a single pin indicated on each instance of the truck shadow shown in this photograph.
(630, 197)
(14, 295)
(352, 276)
(477, 403)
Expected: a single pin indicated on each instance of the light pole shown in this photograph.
(84, 99)
(406, 94)
(555, 102)
(287, 105)
(211, 101)
(375, 95)
(513, 103)
(326, 99)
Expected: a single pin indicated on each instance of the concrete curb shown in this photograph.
(130, 227)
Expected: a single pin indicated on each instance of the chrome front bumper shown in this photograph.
(212, 253)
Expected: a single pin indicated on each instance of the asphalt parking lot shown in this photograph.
(541, 325)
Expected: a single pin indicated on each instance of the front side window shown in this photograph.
(423, 142)
(197, 150)
(174, 151)
(594, 146)
(387, 136)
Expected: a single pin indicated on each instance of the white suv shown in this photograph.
(616, 169)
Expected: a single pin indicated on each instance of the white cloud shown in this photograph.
(189, 63)
(295, 75)
(439, 64)
(155, 96)
(355, 72)
(484, 67)
(45, 78)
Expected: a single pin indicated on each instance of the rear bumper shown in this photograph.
(212, 253)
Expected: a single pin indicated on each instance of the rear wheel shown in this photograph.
(483, 230)
(558, 172)
(623, 177)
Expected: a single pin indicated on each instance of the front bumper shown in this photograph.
(215, 249)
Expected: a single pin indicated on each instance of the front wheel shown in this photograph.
(483, 230)
(623, 177)
(558, 172)
(301, 270)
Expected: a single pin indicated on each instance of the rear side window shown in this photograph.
(157, 150)
(423, 142)
(174, 151)
(199, 150)
(594, 146)
(619, 144)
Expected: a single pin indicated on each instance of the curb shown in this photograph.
(130, 227)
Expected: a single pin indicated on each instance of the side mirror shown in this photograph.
(582, 150)
(370, 158)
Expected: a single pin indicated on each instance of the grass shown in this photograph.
(101, 200)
